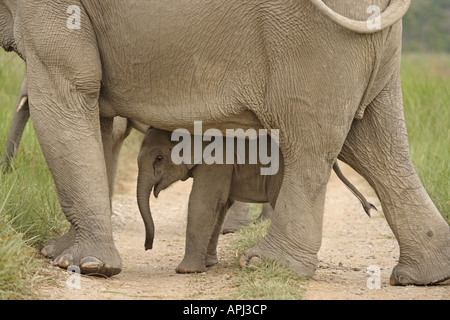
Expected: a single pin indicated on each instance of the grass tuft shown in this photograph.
(30, 212)
(267, 279)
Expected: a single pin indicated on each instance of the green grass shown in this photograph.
(266, 279)
(30, 213)
(426, 94)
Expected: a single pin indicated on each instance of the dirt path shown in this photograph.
(351, 243)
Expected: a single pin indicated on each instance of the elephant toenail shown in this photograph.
(91, 264)
(64, 261)
(255, 261)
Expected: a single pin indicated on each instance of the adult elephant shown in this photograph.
(304, 67)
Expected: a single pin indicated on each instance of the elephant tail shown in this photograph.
(393, 13)
(366, 205)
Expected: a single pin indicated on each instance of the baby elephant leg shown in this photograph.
(208, 197)
(211, 254)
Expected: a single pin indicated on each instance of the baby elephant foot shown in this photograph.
(56, 247)
(98, 262)
(191, 266)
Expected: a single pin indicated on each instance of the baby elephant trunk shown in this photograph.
(144, 190)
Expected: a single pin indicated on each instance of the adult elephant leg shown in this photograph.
(106, 127)
(114, 132)
(295, 233)
(64, 87)
(377, 148)
(54, 248)
(296, 228)
(81, 180)
(82, 184)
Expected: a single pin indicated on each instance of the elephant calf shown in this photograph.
(214, 190)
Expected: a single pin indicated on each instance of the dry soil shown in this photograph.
(352, 243)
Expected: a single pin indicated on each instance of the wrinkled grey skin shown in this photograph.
(215, 189)
(121, 129)
(328, 82)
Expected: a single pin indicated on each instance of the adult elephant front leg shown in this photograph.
(77, 163)
(64, 88)
(114, 131)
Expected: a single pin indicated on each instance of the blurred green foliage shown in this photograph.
(426, 26)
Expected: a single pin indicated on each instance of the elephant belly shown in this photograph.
(168, 64)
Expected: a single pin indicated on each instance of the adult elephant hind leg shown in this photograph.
(294, 235)
(295, 232)
(377, 148)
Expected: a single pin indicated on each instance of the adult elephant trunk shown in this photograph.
(144, 190)
(393, 13)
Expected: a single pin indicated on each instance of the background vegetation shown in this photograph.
(426, 95)
(427, 26)
(30, 213)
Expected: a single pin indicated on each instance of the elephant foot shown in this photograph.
(432, 272)
(187, 266)
(103, 261)
(426, 261)
(56, 247)
(304, 265)
(211, 260)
